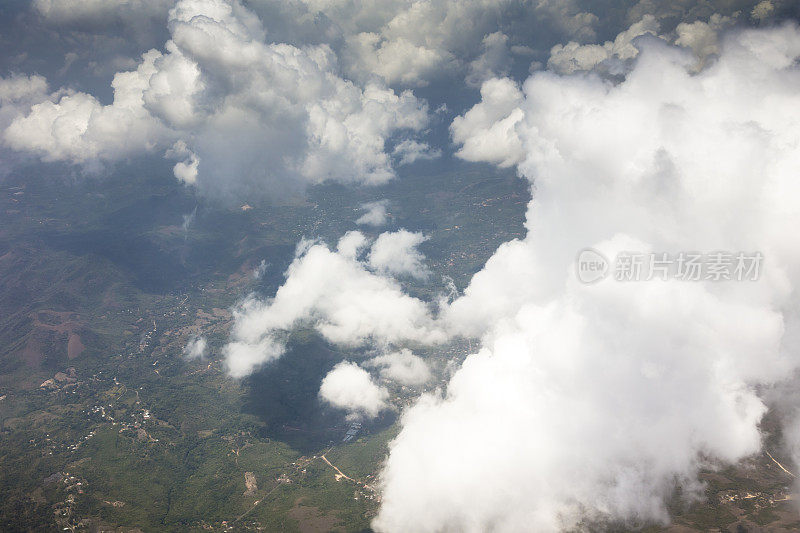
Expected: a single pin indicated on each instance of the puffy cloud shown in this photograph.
(573, 57)
(397, 61)
(415, 43)
(185, 169)
(396, 253)
(262, 116)
(502, 287)
(669, 12)
(337, 294)
(196, 348)
(702, 37)
(400, 42)
(351, 245)
(244, 113)
(487, 132)
(412, 42)
(590, 401)
(351, 388)
(242, 358)
(409, 150)
(76, 127)
(375, 213)
(403, 367)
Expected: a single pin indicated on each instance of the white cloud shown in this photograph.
(402, 366)
(196, 348)
(338, 295)
(78, 128)
(487, 132)
(351, 388)
(410, 43)
(185, 169)
(375, 215)
(409, 150)
(396, 253)
(614, 56)
(502, 287)
(242, 358)
(396, 60)
(351, 245)
(574, 57)
(592, 400)
(702, 37)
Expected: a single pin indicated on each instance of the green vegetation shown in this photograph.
(140, 437)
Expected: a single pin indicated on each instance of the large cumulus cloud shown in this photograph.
(595, 400)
